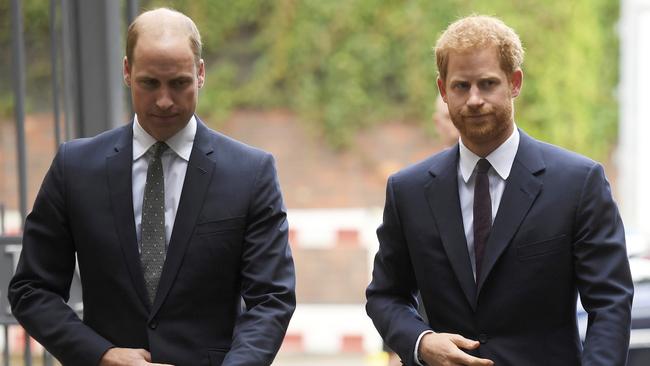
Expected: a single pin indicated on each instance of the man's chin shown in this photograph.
(483, 133)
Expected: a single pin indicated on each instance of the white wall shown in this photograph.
(633, 156)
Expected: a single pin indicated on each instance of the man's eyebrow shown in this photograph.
(457, 80)
(182, 78)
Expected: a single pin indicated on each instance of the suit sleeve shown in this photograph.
(602, 272)
(268, 275)
(40, 288)
(391, 295)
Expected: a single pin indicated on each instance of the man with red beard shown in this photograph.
(499, 233)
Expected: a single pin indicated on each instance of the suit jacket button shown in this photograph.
(153, 324)
(483, 338)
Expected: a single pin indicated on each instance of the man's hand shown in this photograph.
(444, 349)
(128, 357)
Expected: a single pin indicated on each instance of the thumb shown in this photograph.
(464, 343)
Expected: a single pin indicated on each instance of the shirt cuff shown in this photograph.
(416, 357)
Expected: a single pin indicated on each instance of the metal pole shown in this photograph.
(131, 10)
(68, 54)
(28, 350)
(131, 13)
(55, 74)
(18, 47)
(5, 353)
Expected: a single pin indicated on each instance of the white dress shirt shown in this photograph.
(501, 160)
(174, 163)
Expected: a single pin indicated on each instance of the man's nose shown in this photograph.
(164, 100)
(475, 98)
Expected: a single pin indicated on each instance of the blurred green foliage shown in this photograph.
(345, 65)
(37, 47)
(348, 64)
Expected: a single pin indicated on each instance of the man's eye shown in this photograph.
(179, 83)
(488, 83)
(149, 83)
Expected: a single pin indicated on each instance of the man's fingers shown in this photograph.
(447, 349)
(463, 342)
(464, 358)
(147, 356)
(468, 360)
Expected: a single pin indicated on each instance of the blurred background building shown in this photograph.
(342, 93)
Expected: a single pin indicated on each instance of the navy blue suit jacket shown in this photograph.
(229, 242)
(557, 232)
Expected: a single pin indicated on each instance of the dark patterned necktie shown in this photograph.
(482, 213)
(152, 251)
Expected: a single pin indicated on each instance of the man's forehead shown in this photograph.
(171, 50)
(474, 62)
(163, 57)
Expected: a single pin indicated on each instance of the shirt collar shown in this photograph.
(501, 158)
(181, 143)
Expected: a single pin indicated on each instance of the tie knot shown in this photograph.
(158, 149)
(482, 166)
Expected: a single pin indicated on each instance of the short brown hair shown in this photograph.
(481, 31)
(192, 31)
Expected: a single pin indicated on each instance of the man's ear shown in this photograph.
(442, 89)
(516, 82)
(126, 72)
(201, 73)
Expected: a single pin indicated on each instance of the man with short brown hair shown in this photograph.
(173, 224)
(500, 233)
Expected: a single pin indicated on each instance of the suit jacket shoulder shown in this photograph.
(419, 173)
(100, 145)
(555, 156)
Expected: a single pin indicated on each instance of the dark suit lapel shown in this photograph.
(197, 179)
(522, 188)
(442, 195)
(119, 165)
